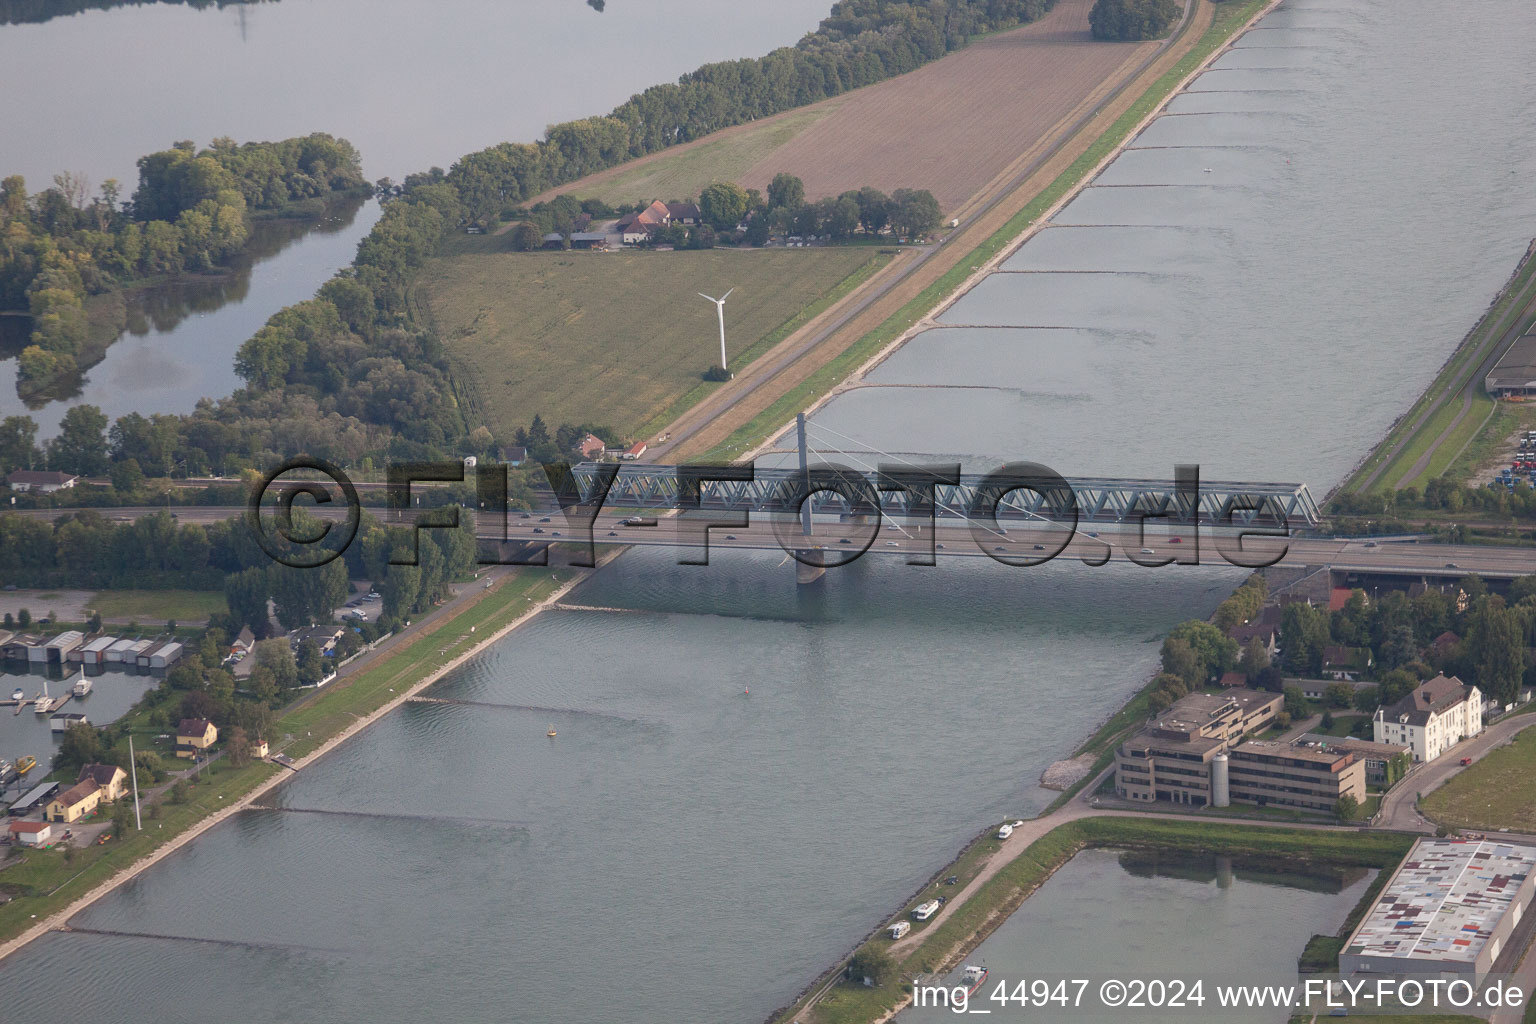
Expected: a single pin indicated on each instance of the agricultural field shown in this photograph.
(949, 127)
(1493, 793)
(619, 338)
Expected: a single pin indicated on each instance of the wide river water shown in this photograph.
(686, 852)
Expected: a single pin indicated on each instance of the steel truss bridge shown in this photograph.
(1017, 492)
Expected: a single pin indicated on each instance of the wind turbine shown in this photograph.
(720, 309)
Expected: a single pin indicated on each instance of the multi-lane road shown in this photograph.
(834, 542)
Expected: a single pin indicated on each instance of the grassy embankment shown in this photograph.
(1229, 17)
(534, 332)
(1493, 793)
(1004, 892)
(45, 882)
(1484, 427)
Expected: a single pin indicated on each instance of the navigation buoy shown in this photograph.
(551, 733)
(746, 691)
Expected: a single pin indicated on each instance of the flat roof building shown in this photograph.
(1449, 908)
(1311, 778)
(1171, 759)
(1515, 372)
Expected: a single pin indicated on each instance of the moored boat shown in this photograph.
(26, 764)
(82, 686)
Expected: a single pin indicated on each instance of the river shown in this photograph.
(412, 85)
(690, 852)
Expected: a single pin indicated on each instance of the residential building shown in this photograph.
(112, 780)
(1230, 679)
(514, 455)
(634, 451)
(194, 736)
(1449, 908)
(75, 802)
(1312, 778)
(1265, 626)
(1171, 759)
(590, 446)
(31, 833)
(324, 637)
(1431, 719)
(1345, 663)
(1317, 689)
(39, 481)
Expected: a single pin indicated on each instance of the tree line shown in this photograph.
(190, 212)
(21, 12)
(350, 375)
(1491, 635)
(1132, 20)
(861, 42)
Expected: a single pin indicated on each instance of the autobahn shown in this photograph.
(943, 540)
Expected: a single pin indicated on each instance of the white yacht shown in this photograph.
(82, 686)
(18, 694)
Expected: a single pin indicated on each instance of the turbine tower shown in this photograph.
(720, 309)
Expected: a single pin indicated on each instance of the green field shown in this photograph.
(156, 606)
(1493, 793)
(619, 338)
(683, 174)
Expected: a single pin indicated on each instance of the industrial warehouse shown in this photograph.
(1449, 908)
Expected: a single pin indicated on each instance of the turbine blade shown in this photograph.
(711, 298)
(727, 295)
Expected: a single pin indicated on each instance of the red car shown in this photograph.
(1466, 761)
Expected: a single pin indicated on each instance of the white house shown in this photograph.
(1436, 716)
(41, 481)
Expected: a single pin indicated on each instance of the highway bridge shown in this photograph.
(524, 535)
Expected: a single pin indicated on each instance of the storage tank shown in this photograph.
(1220, 794)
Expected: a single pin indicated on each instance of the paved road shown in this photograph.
(1467, 384)
(1398, 810)
(1091, 544)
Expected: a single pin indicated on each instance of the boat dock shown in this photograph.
(43, 705)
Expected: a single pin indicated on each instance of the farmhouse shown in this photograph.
(590, 446)
(1431, 719)
(39, 481)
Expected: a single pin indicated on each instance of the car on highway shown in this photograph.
(538, 529)
(1452, 565)
(1370, 543)
(1039, 547)
(1148, 551)
(844, 540)
(544, 519)
(613, 533)
(892, 544)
